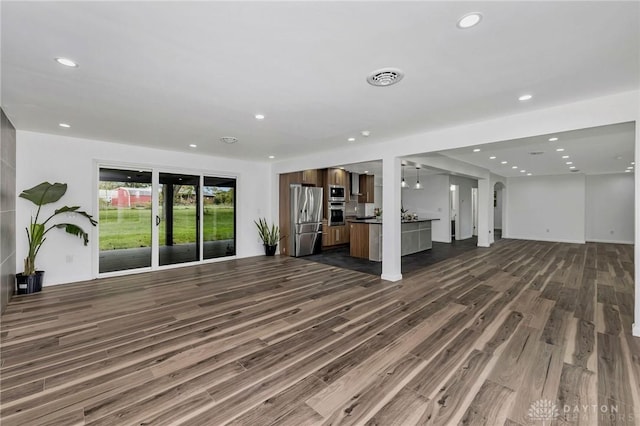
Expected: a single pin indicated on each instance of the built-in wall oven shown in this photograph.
(335, 216)
(337, 193)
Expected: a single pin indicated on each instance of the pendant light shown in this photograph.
(404, 183)
(418, 185)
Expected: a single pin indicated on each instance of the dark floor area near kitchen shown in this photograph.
(340, 257)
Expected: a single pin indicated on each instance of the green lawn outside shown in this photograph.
(130, 228)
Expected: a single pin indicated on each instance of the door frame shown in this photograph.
(155, 170)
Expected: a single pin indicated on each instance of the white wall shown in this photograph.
(497, 210)
(432, 201)
(44, 157)
(610, 208)
(465, 209)
(546, 208)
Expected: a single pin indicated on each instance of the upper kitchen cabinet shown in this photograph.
(312, 177)
(367, 189)
(337, 177)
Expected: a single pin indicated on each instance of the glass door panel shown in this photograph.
(219, 225)
(179, 211)
(124, 226)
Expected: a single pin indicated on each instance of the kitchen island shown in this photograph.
(366, 237)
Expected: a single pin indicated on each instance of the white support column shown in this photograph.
(491, 211)
(636, 324)
(391, 202)
(483, 212)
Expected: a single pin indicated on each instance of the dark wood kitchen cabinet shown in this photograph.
(337, 177)
(359, 240)
(367, 189)
(335, 235)
(312, 177)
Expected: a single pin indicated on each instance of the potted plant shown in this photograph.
(30, 280)
(270, 236)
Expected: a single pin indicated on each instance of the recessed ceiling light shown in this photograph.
(193, 145)
(503, 162)
(628, 171)
(565, 156)
(630, 168)
(514, 167)
(366, 171)
(65, 125)
(365, 133)
(272, 157)
(525, 97)
(351, 139)
(67, 62)
(559, 149)
(553, 139)
(341, 168)
(469, 20)
(385, 77)
(528, 174)
(569, 162)
(633, 163)
(476, 150)
(522, 171)
(259, 117)
(572, 167)
(229, 139)
(493, 157)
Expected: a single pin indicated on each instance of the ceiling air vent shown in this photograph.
(385, 77)
(536, 153)
(229, 139)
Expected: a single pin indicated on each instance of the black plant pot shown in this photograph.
(28, 284)
(270, 250)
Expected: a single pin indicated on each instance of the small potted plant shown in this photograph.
(30, 280)
(270, 236)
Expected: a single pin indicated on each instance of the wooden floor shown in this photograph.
(487, 337)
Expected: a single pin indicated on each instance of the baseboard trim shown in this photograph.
(391, 277)
(636, 330)
(611, 242)
(551, 240)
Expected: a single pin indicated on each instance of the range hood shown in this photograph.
(355, 184)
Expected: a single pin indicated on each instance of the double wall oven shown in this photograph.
(336, 205)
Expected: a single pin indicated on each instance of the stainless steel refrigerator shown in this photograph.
(306, 220)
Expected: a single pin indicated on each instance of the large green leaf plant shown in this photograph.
(47, 193)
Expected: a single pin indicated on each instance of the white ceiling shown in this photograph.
(597, 150)
(167, 74)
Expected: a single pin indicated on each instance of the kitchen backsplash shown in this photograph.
(353, 208)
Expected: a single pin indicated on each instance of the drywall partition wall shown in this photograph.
(465, 211)
(610, 208)
(44, 157)
(432, 201)
(7, 210)
(546, 208)
(500, 182)
(497, 208)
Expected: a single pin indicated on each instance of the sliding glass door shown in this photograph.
(151, 219)
(219, 220)
(179, 233)
(125, 224)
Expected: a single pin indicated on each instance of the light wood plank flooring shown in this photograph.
(476, 339)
